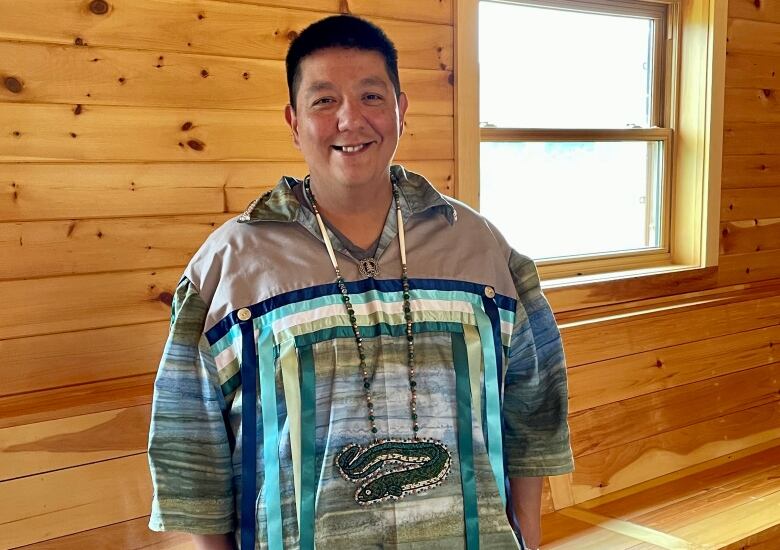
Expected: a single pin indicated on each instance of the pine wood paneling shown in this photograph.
(70, 191)
(751, 138)
(67, 247)
(752, 37)
(752, 71)
(743, 268)
(210, 27)
(79, 302)
(634, 334)
(621, 422)
(45, 446)
(55, 132)
(748, 204)
(42, 507)
(751, 171)
(127, 535)
(59, 360)
(604, 472)
(560, 532)
(90, 76)
(752, 9)
(751, 105)
(643, 373)
(40, 406)
(433, 11)
(741, 237)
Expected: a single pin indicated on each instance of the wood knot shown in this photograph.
(186, 126)
(166, 298)
(121, 79)
(17, 133)
(196, 145)
(659, 363)
(767, 92)
(451, 79)
(757, 4)
(73, 135)
(78, 41)
(13, 84)
(77, 110)
(98, 7)
(344, 6)
(725, 232)
(204, 73)
(292, 35)
(246, 76)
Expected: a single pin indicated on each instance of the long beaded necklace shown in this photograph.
(386, 469)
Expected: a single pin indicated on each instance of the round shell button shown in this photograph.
(490, 292)
(244, 314)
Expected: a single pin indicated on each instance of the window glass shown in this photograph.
(555, 199)
(552, 68)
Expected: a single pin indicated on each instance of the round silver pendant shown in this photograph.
(368, 267)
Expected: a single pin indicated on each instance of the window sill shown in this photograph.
(608, 291)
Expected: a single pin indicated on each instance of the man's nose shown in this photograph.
(350, 116)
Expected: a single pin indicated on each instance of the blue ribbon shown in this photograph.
(248, 434)
(273, 506)
(308, 418)
(465, 443)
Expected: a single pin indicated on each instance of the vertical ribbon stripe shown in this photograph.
(492, 399)
(248, 434)
(474, 349)
(465, 443)
(288, 362)
(308, 419)
(273, 506)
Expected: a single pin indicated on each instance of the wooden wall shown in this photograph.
(690, 372)
(127, 136)
(129, 130)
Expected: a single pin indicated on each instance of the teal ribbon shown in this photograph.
(273, 506)
(308, 457)
(465, 443)
(492, 400)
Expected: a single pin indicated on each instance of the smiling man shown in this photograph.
(356, 361)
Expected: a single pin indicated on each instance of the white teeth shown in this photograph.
(348, 149)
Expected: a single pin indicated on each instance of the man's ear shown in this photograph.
(292, 122)
(403, 104)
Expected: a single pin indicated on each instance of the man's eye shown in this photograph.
(373, 97)
(323, 101)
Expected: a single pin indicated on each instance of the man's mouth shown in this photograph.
(351, 148)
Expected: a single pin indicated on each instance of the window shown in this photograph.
(586, 113)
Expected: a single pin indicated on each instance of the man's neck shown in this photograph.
(358, 213)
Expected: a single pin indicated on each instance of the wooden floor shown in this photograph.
(732, 505)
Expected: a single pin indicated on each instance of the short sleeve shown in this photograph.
(536, 432)
(189, 449)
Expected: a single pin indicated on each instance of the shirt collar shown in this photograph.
(281, 205)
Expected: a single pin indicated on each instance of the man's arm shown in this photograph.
(527, 503)
(214, 542)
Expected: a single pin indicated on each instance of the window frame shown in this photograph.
(693, 120)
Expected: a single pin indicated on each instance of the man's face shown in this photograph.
(347, 119)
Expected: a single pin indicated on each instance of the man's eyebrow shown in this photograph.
(319, 86)
(373, 81)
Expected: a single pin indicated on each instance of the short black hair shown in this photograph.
(339, 31)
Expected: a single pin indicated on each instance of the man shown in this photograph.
(356, 361)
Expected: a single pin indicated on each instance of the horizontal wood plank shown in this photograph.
(54, 132)
(104, 76)
(58, 360)
(80, 302)
(745, 70)
(68, 247)
(742, 237)
(57, 444)
(644, 331)
(751, 105)
(71, 191)
(748, 138)
(749, 204)
(752, 36)
(561, 532)
(643, 373)
(751, 171)
(743, 268)
(751, 9)
(127, 535)
(431, 11)
(51, 404)
(210, 27)
(623, 422)
(608, 471)
(42, 507)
